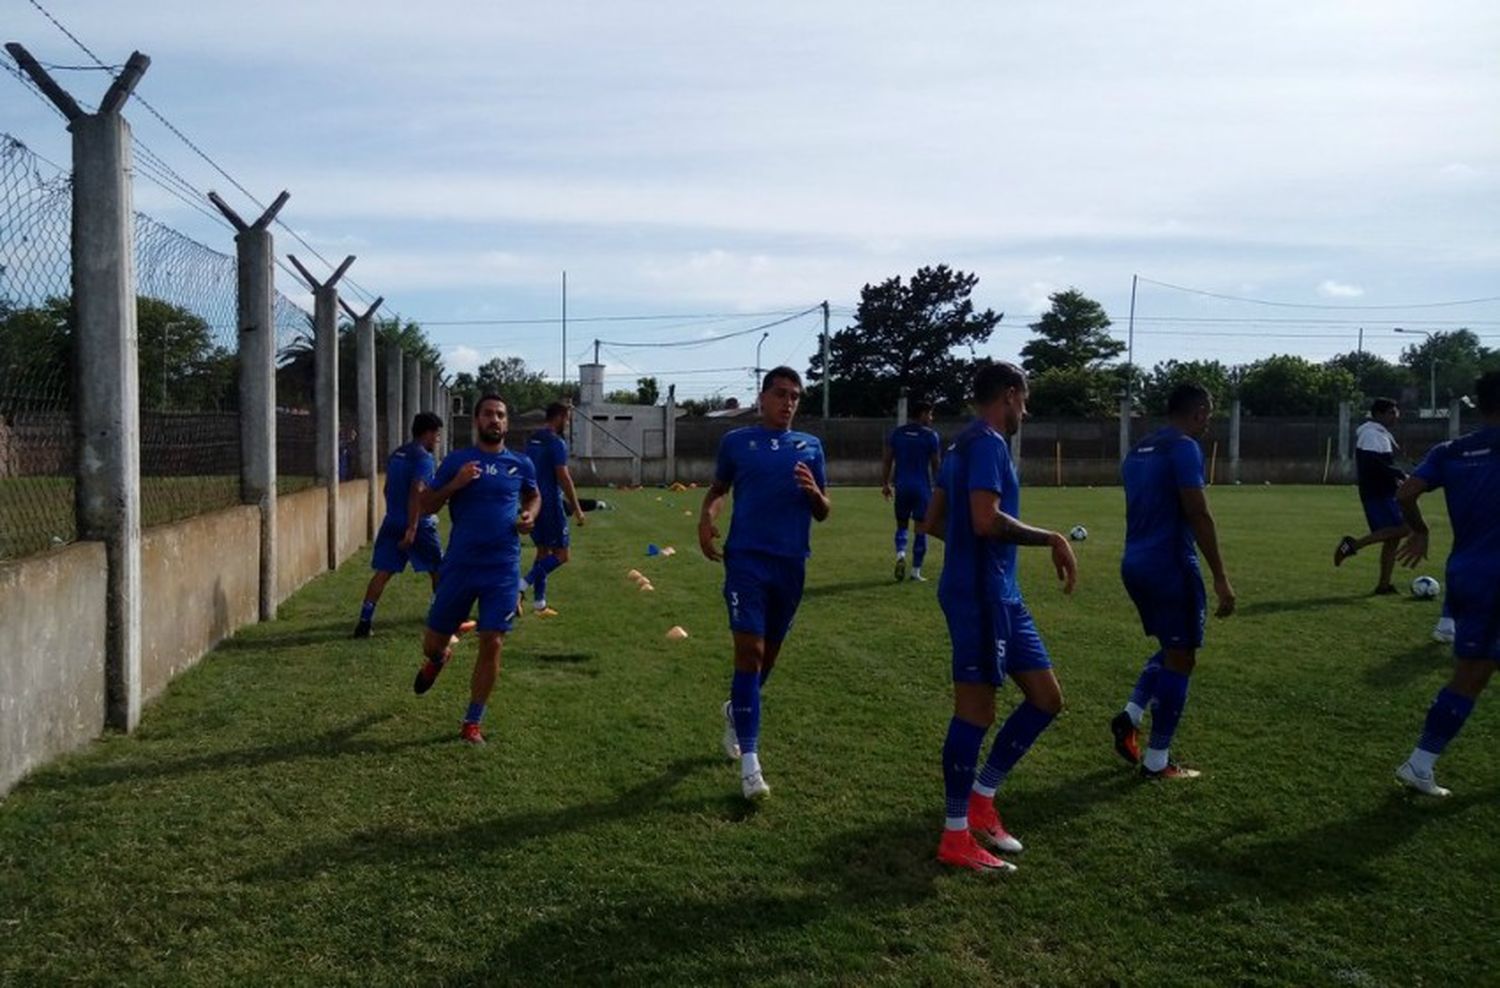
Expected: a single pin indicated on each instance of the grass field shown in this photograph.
(290, 813)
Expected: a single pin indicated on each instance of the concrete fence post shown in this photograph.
(411, 403)
(669, 433)
(395, 427)
(429, 389)
(1127, 406)
(256, 310)
(369, 423)
(902, 408)
(106, 384)
(1234, 441)
(1345, 409)
(326, 400)
(1455, 418)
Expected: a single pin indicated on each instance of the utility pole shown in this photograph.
(564, 378)
(827, 371)
(1130, 343)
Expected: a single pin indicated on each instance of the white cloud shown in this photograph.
(1337, 289)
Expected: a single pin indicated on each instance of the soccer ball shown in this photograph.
(1078, 533)
(1425, 588)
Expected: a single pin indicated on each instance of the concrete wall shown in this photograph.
(200, 581)
(354, 513)
(301, 539)
(51, 656)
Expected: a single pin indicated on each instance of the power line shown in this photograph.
(714, 339)
(556, 320)
(1317, 305)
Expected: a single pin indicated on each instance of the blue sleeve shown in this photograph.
(1431, 470)
(448, 470)
(988, 459)
(528, 474)
(724, 469)
(934, 443)
(559, 452)
(426, 469)
(890, 439)
(1187, 464)
(819, 471)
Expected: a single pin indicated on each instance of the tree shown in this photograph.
(1071, 392)
(1288, 385)
(647, 390)
(902, 338)
(523, 389)
(1165, 376)
(1375, 376)
(1460, 358)
(1072, 335)
(36, 350)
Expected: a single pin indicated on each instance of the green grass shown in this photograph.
(290, 813)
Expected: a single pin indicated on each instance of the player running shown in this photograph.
(780, 486)
(975, 510)
(549, 455)
(492, 496)
(1375, 464)
(1166, 523)
(1468, 470)
(406, 534)
(911, 452)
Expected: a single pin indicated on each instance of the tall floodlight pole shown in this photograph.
(827, 371)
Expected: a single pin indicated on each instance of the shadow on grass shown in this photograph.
(1412, 664)
(340, 742)
(1339, 857)
(393, 844)
(1259, 607)
(712, 936)
(564, 658)
(849, 586)
(1074, 797)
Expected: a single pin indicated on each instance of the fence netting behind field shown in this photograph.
(296, 380)
(188, 355)
(36, 425)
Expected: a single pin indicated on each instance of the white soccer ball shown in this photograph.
(1078, 533)
(1425, 588)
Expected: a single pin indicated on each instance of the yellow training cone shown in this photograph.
(676, 633)
(646, 585)
(634, 574)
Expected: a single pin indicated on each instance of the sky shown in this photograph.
(727, 165)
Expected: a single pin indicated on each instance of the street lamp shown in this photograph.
(1431, 369)
(763, 338)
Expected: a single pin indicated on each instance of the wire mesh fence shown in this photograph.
(189, 374)
(296, 380)
(36, 428)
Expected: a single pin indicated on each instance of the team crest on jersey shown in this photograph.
(753, 444)
(512, 471)
(799, 444)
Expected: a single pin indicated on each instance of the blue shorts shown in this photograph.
(495, 588)
(992, 640)
(762, 592)
(1170, 599)
(425, 554)
(551, 531)
(1474, 600)
(911, 504)
(1383, 512)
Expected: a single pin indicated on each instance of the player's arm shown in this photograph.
(991, 523)
(531, 506)
(565, 482)
(935, 466)
(413, 512)
(935, 523)
(433, 499)
(708, 515)
(1414, 549)
(887, 464)
(811, 486)
(1195, 507)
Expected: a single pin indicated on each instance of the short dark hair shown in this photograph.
(1187, 398)
(920, 408)
(1380, 406)
(557, 408)
(423, 423)
(489, 397)
(783, 372)
(1487, 390)
(993, 379)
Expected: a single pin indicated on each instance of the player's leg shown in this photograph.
(373, 590)
(387, 558)
(744, 705)
(1443, 631)
(1387, 525)
(919, 542)
(1445, 718)
(1168, 701)
(482, 684)
(1387, 566)
(976, 674)
(1126, 725)
(451, 602)
(903, 517)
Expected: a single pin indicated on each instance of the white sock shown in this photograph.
(525, 584)
(539, 605)
(1422, 761)
(1156, 759)
(1445, 625)
(988, 792)
(901, 554)
(955, 823)
(749, 764)
(916, 571)
(1136, 712)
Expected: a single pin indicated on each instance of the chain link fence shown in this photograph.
(36, 428)
(296, 383)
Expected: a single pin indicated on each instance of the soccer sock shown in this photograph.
(1016, 736)
(1445, 718)
(1145, 686)
(539, 586)
(960, 752)
(901, 541)
(744, 706)
(367, 612)
(475, 714)
(1171, 697)
(919, 550)
(765, 674)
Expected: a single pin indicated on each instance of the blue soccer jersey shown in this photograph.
(548, 451)
(1468, 471)
(975, 568)
(1154, 474)
(407, 463)
(912, 448)
(484, 512)
(771, 513)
